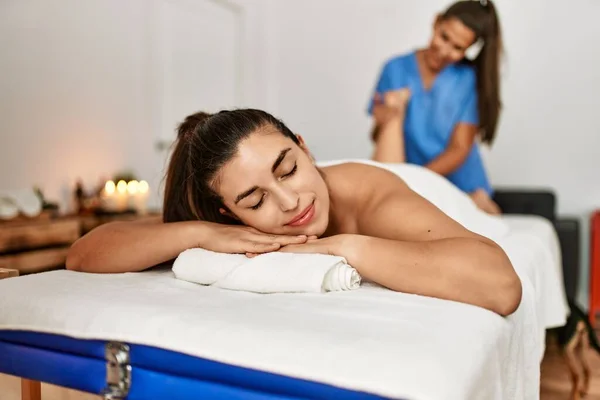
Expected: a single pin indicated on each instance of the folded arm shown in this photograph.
(409, 245)
(458, 149)
(130, 246)
(135, 246)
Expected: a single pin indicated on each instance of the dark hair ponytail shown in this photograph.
(177, 203)
(481, 17)
(204, 144)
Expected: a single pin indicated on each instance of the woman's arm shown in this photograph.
(135, 246)
(458, 149)
(132, 246)
(462, 269)
(409, 245)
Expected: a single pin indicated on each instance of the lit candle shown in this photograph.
(132, 190)
(107, 198)
(121, 195)
(142, 197)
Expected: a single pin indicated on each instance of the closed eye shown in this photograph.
(260, 202)
(292, 172)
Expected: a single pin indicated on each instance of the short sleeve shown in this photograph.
(470, 111)
(393, 76)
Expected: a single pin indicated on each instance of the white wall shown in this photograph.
(329, 54)
(72, 93)
(80, 83)
(78, 98)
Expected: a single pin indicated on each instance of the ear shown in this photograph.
(227, 213)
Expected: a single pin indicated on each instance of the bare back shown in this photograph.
(368, 200)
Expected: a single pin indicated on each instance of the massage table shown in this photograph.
(147, 335)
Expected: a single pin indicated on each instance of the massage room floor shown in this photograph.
(556, 384)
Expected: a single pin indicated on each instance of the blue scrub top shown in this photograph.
(432, 115)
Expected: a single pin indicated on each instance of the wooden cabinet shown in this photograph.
(37, 245)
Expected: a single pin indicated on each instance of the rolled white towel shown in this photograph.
(25, 201)
(267, 273)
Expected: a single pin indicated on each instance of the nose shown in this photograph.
(443, 51)
(288, 198)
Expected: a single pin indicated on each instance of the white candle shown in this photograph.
(121, 195)
(108, 198)
(132, 191)
(142, 197)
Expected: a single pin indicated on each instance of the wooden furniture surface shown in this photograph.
(41, 244)
(8, 273)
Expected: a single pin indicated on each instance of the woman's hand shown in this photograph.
(337, 245)
(243, 239)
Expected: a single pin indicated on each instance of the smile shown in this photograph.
(304, 217)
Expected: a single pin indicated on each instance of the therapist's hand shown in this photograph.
(390, 105)
(398, 100)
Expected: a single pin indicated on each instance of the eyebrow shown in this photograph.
(457, 46)
(247, 193)
(275, 165)
(280, 158)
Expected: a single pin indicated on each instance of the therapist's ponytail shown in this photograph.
(481, 17)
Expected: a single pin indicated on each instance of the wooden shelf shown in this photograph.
(41, 244)
(19, 236)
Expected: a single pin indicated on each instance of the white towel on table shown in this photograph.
(267, 273)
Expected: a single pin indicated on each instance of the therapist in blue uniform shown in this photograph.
(432, 106)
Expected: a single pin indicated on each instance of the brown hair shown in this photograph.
(204, 144)
(481, 17)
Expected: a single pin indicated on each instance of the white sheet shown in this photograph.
(370, 339)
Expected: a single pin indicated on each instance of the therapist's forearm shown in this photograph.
(389, 146)
(449, 161)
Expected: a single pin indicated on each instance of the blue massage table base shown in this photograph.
(135, 372)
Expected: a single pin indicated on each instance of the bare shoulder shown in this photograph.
(367, 183)
(385, 206)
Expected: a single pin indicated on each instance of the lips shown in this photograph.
(304, 217)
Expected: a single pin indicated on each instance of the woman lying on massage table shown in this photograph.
(241, 182)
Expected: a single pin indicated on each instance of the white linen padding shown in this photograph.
(370, 339)
(267, 273)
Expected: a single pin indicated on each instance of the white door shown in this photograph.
(197, 56)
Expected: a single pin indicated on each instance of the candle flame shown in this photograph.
(121, 186)
(143, 187)
(109, 187)
(132, 187)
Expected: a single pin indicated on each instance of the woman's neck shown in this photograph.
(340, 204)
